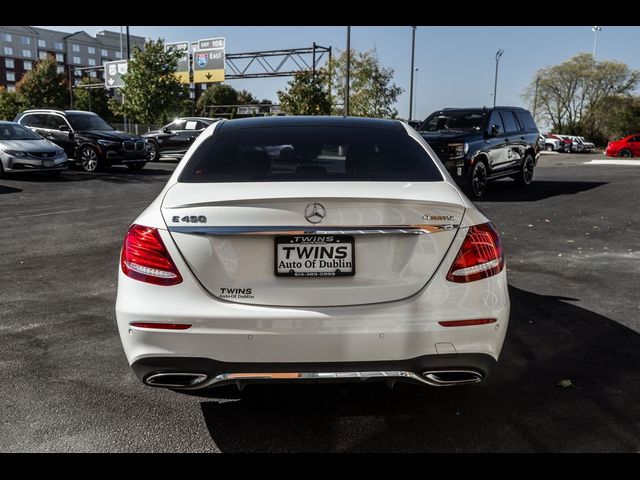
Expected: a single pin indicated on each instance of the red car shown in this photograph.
(626, 147)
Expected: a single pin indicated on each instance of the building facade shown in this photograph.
(21, 47)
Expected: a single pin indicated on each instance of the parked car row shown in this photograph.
(567, 143)
(47, 140)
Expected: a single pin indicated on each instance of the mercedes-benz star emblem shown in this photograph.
(314, 212)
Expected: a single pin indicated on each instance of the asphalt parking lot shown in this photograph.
(567, 380)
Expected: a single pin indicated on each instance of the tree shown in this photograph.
(619, 116)
(43, 87)
(245, 97)
(9, 104)
(152, 92)
(94, 100)
(372, 93)
(307, 94)
(216, 95)
(570, 94)
(187, 108)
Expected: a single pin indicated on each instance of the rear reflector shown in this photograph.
(467, 323)
(161, 326)
(145, 257)
(480, 255)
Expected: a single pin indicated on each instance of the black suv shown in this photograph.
(481, 144)
(175, 138)
(87, 139)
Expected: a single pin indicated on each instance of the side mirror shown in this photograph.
(495, 130)
(164, 130)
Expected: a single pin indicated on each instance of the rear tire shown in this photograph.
(154, 152)
(625, 153)
(136, 166)
(548, 148)
(525, 177)
(478, 180)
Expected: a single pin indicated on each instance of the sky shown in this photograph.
(456, 65)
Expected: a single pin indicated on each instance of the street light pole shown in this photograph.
(495, 83)
(595, 31)
(413, 53)
(415, 99)
(346, 89)
(535, 99)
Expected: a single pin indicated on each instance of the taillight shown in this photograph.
(145, 257)
(480, 255)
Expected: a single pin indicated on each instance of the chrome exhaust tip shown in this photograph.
(448, 378)
(175, 380)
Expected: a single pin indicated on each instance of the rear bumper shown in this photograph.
(234, 333)
(217, 373)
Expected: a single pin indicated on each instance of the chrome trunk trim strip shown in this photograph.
(311, 230)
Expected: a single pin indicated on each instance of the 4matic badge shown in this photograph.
(438, 218)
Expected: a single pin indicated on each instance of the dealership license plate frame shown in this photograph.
(337, 239)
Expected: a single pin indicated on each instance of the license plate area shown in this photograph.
(314, 256)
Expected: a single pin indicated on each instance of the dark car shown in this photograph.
(176, 138)
(87, 139)
(481, 144)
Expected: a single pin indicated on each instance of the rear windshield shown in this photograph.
(313, 153)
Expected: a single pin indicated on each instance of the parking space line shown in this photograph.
(613, 162)
(43, 214)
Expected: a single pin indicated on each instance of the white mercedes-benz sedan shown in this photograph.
(354, 257)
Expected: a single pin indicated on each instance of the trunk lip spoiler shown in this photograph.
(314, 230)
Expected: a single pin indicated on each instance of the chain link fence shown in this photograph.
(136, 128)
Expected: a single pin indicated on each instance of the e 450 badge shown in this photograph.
(189, 219)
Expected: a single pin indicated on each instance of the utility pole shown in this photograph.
(346, 96)
(71, 87)
(128, 58)
(330, 86)
(128, 45)
(413, 52)
(313, 62)
(495, 83)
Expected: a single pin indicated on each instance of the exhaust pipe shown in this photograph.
(448, 378)
(175, 380)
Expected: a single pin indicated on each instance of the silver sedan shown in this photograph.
(22, 150)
